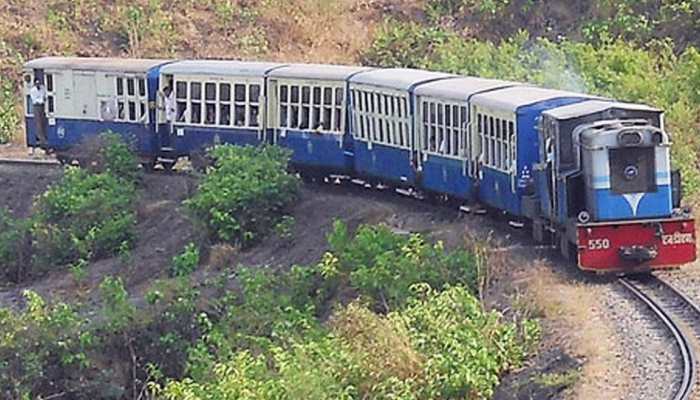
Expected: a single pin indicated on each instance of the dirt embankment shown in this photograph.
(522, 279)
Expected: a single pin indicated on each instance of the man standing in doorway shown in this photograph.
(169, 104)
(38, 97)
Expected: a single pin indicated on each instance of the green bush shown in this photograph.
(186, 262)
(245, 193)
(9, 117)
(43, 349)
(83, 216)
(15, 245)
(119, 158)
(383, 265)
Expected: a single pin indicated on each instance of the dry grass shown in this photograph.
(574, 320)
(222, 256)
(384, 347)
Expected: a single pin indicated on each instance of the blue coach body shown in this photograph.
(448, 151)
(215, 102)
(307, 114)
(507, 119)
(88, 96)
(383, 122)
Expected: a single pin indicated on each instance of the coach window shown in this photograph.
(210, 103)
(462, 127)
(196, 102)
(239, 97)
(305, 107)
(380, 99)
(50, 93)
(181, 99)
(284, 105)
(511, 145)
(316, 109)
(254, 100)
(369, 119)
(120, 97)
(338, 114)
(225, 104)
(393, 129)
(327, 116)
(294, 109)
(404, 131)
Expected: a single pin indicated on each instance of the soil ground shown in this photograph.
(522, 278)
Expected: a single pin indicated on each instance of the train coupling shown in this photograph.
(638, 254)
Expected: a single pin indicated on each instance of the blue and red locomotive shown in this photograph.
(592, 174)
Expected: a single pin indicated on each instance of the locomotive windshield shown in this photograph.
(632, 170)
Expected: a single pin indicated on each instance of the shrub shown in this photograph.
(186, 262)
(83, 216)
(15, 245)
(383, 265)
(465, 348)
(119, 158)
(9, 117)
(43, 349)
(245, 193)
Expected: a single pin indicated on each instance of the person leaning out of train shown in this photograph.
(169, 105)
(37, 95)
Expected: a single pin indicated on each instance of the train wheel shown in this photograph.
(148, 166)
(567, 249)
(168, 165)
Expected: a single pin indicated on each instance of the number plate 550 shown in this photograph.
(598, 244)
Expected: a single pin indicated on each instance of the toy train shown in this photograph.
(591, 174)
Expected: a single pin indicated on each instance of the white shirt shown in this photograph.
(38, 95)
(169, 103)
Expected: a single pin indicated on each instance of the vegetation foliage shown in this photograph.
(243, 196)
(85, 216)
(296, 334)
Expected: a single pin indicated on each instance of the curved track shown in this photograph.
(679, 314)
(29, 161)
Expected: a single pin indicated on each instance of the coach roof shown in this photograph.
(515, 97)
(460, 88)
(220, 67)
(317, 71)
(596, 106)
(133, 65)
(397, 78)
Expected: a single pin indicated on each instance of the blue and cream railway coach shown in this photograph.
(214, 102)
(383, 104)
(86, 96)
(308, 114)
(448, 149)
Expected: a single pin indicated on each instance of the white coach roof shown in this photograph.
(513, 98)
(220, 67)
(317, 71)
(397, 78)
(94, 64)
(595, 106)
(460, 88)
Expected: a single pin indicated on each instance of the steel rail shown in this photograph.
(683, 342)
(28, 161)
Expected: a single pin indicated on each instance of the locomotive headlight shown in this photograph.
(629, 138)
(657, 138)
(631, 172)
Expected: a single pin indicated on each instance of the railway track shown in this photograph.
(681, 317)
(28, 161)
